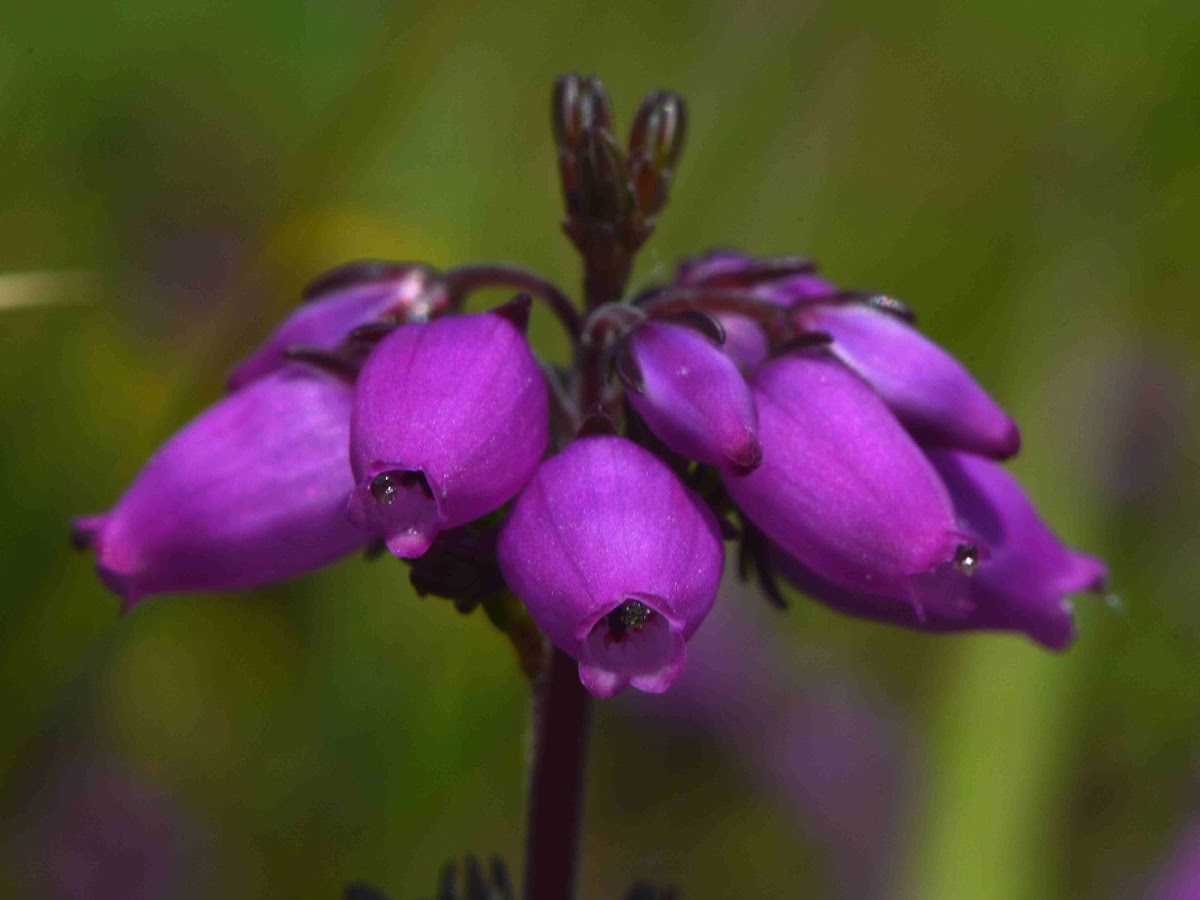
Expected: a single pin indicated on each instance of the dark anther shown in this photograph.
(386, 486)
(323, 360)
(516, 311)
(374, 549)
(632, 615)
(702, 322)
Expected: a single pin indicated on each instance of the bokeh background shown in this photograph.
(1025, 174)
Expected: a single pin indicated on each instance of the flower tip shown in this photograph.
(633, 644)
(516, 311)
(748, 457)
(400, 505)
(1009, 443)
(1085, 573)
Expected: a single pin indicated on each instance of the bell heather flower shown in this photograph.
(584, 505)
(616, 560)
(692, 396)
(340, 301)
(251, 491)
(927, 388)
(450, 419)
(842, 486)
(1020, 585)
(831, 439)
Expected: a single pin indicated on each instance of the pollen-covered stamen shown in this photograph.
(632, 615)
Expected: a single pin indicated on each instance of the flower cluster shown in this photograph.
(747, 400)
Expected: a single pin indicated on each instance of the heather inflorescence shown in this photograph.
(747, 404)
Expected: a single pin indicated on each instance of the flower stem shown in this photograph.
(468, 278)
(561, 725)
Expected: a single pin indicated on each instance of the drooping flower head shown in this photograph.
(750, 398)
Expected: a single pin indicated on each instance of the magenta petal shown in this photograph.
(650, 663)
(1022, 584)
(927, 388)
(745, 340)
(460, 400)
(617, 561)
(250, 492)
(842, 486)
(723, 268)
(693, 397)
(326, 320)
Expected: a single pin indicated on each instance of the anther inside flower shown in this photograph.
(843, 450)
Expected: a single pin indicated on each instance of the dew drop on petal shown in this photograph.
(966, 558)
(384, 487)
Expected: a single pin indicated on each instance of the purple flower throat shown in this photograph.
(746, 401)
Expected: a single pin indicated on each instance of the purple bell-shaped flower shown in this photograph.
(693, 397)
(745, 340)
(250, 492)
(1020, 584)
(929, 390)
(616, 560)
(842, 487)
(340, 301)
(450, 420)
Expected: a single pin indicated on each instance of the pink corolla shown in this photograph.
(617, 561)
(450, 419)
(750, 399)
(250, 492)
(1021, 585)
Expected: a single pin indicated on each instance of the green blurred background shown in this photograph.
(1025, 174)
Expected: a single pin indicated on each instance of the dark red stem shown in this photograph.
(561, 726)
(462, 280)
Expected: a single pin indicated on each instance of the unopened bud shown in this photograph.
(578, 105)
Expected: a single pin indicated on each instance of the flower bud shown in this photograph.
(692, 396)
(616, 560)
(659, 127)
(842, 487)
(340, 301)
(450, 420)
(1020, 586)
(930, 391)
(250, 492)
(784, 280)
